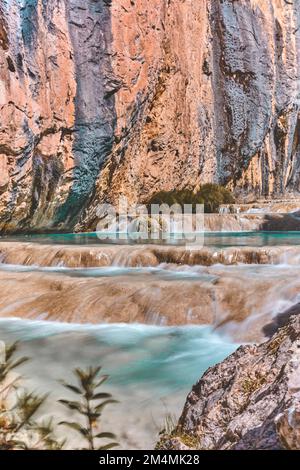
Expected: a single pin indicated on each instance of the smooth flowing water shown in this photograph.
(156, 317)
(151, 369)
(216, 239)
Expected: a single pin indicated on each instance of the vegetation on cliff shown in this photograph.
(211, 195)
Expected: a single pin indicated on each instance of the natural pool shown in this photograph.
(217, 239)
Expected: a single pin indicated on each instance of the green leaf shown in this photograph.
(10, 350)
(103, 378)
(105, 403)
(80, 373)
(73, 405)
(109, 446)
(72, 388)
(18, 362)
(94, 371)
(76, 426)
(100, 396)
(105, 435)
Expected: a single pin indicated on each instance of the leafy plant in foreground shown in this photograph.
(10, 364)
(18, 428)
(213, 196)
(89, 407)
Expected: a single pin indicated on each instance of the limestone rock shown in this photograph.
(249, 401)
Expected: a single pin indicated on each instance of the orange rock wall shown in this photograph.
(108, 97)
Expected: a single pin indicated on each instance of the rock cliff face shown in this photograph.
(108, 97)
(250, 401)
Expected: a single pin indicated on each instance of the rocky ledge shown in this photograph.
(250, 401)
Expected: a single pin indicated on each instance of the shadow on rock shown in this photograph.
(281, 320)
(281, 222)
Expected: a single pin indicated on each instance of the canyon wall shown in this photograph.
(106, 97)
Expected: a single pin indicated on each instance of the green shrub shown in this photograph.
(210, 194)
(214, 196)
